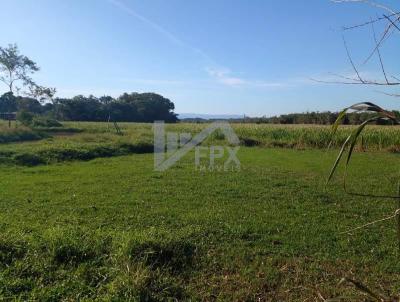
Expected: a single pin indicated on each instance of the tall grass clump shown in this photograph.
(8, 135)
(379, 138)
(88, 141)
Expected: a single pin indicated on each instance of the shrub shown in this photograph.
(45, 122)
(25, 118)
(19, 135)
(28, 159)
(249, 142)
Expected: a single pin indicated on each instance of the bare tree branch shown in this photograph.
(390, 28)
(394, 24)
(385, 35)
(390, 94)
(397, 79)
(351, 60)
(344, 77)
(387, 32)
(379, 53)
(369, 22)
(372, 83)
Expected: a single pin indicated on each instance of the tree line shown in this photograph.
(28, 98)
(317, 118)
(132, 107)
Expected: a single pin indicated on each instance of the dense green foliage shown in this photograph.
(134, 107)
(8, 102)
(20, 134)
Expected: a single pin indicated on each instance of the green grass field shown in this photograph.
(86, 141)
(113, 229)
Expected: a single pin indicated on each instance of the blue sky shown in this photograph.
(210, 56)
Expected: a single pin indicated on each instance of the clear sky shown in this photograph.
(210, 56)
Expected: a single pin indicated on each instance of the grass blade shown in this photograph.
(355, 136)
(335, 125)
(368, 106)
(338, 159)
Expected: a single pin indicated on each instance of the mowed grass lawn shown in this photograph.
(112, 229)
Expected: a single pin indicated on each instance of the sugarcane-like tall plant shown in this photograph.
(378, 114)
(389, 20)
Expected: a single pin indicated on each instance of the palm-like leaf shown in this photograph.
(352, 138)
(336, 124)
(356, 134)
(339, 157)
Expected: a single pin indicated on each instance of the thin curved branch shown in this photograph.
(390, 94)
(369, 22)
(379, 54)
(391, 21)
(365, 82)
(351, 60)
(385, 35)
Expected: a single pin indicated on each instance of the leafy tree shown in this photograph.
(25, 117)
(106, 99)
(151, 106)
(79, 108)
(8, 102)
(29, 104)
(122, 112)
(133, 107)
(16, 70)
